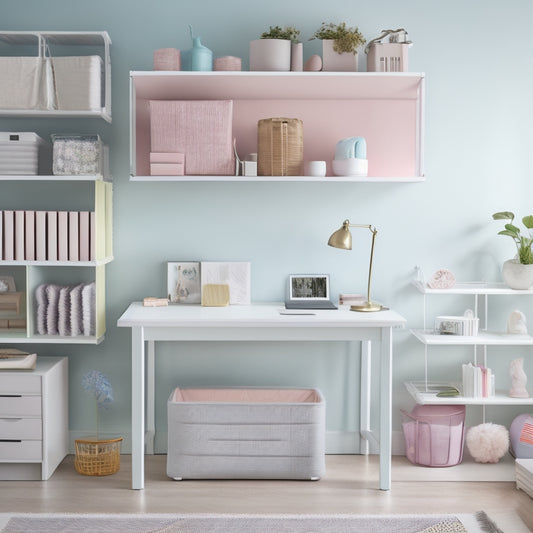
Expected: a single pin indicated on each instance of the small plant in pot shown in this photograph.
(273, 51)
(339, 46)
(94, 456)
(518, 272)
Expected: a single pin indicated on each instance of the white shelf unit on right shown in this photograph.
(422, 391)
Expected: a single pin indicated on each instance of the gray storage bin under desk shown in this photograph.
(246, 434)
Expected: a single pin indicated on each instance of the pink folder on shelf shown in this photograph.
(62, 235)
(30, 235)
(73, 236)
(199, 129)
(92, 236)
(84, 236)
(52, 235)
(9, 235)
(40, 235)
(19, 236)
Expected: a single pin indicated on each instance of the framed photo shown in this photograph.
(7, 284)
(309, 286)
(183, 282)
(234, 274)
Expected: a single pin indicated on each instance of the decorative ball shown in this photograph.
(521, 432)
(313, 64)
(487, 443)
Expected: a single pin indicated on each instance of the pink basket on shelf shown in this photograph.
(434, 434)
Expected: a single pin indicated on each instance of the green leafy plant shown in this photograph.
(288, 33)
(346, 39)
(523, 244)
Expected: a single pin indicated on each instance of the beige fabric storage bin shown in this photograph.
(22, 83)
(77, 82)
(246, 434)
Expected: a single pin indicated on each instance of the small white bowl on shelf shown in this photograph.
(350, 167)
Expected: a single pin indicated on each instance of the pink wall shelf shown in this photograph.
(385, 108)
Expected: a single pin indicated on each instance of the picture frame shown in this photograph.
(308, 286)
(235, 274)
(184, 282)
(9, 282)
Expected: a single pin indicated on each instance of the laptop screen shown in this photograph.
(308, 287)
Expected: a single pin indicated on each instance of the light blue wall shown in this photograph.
(477, 60)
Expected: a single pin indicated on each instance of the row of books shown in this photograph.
(47, 235)
(478, 381)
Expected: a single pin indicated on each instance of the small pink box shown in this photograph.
(167, 59)
(167, 169)
(167, 157)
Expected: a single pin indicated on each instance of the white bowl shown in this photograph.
(350, 167)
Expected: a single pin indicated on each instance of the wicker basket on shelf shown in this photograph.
(97, 457)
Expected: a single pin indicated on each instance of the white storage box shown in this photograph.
(22, 83)
(78, 82)
(23, 153)
(246, 434)
(77, 155)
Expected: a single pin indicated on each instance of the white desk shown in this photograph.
(258, 322)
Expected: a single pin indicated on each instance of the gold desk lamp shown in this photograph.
(342, 238)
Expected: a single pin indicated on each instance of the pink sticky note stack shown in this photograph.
(167, 164)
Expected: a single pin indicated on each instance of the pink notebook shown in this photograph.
(30, 236)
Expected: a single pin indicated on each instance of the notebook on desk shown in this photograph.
(309, 291)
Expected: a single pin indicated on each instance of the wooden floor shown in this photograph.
(350, 486)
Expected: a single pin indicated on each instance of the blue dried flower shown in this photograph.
(98, 385)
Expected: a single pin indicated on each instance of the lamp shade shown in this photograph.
(342, 238)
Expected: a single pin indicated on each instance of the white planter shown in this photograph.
(516, 275)
(270, 55)
(335, 62)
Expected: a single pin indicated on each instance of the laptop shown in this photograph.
(309, 291)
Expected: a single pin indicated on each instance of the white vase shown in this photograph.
(516, 275)
(270, 55)
(297, 57)
(335, 62)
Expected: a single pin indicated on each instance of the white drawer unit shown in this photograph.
(33, 419)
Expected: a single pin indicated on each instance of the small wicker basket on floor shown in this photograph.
(97, 457)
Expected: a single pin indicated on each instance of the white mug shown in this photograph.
(316, 168)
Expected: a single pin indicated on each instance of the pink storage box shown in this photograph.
(167, 157)
(434, 434)
(246, 433)
(200, 129)
(166, 169)
(167, 59)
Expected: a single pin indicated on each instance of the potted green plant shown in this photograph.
(518, 272)
(339, 46)
(272, 51)
(95, 456)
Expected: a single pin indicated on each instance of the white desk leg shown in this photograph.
(150, 398)
(364, 413)
(385, 421)
(137, 408)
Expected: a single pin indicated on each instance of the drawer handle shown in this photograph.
(10, 395)
(10, 440)
(11, 419)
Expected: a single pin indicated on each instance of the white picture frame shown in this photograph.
(184, 282)
(235, 274)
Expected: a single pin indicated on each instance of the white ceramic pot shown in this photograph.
(335, 62)
(350, 167)
(516, 275)
(270, 55)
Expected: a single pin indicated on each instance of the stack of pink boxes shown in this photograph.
(167, 164)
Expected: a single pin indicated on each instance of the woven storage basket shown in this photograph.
(97, 457)
(280, 147)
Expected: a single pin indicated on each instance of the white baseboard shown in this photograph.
(337, 442)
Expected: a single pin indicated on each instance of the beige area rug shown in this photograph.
(230, 523)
